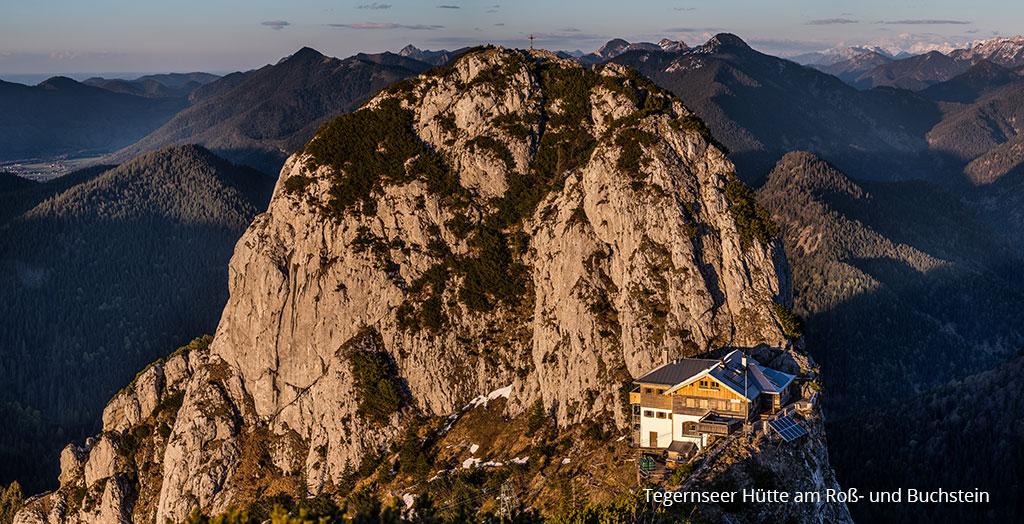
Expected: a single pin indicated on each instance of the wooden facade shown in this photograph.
(705, 407)
(707, 387)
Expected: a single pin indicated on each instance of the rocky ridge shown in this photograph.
(512, 221)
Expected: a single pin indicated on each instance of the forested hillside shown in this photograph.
(902, 287)
(973, 429)
(103, 278)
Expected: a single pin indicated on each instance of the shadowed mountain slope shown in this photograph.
(104, 277)
(260, 117)
(902, 287)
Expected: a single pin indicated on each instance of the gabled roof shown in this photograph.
(675, 372)
(728, 371)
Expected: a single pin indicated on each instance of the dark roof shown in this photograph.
(729, 371)
(675, 372)
(684, 448)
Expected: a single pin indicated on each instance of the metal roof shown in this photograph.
(675, 372)
(729, 371)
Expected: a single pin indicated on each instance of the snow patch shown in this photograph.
(473, 448)
(482, 400)
(520, 461)
(470, 462)
(566, 460)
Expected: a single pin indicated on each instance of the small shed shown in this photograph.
(679, 451)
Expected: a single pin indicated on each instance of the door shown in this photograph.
(653, 439)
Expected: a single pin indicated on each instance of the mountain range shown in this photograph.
(63, 117)
(904, 255)
(870, 67)
(164, 85)
(901, 222)
(761, 107)
(260, 117)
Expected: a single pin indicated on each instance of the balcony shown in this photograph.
(712, 424)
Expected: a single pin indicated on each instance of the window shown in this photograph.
(648, 391)
(708, 384)
(648, 414)
(661, 415)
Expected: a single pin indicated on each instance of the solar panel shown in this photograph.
(787, 428)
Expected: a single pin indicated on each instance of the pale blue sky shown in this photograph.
(64, 36)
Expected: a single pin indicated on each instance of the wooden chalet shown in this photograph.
(693, 400)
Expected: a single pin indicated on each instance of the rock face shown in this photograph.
(114, 477)
(514, 220)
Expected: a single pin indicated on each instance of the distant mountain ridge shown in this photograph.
(762, 107)
(62, 116)
(914, 73)
(849, 69)
(982, 77)
(259, 117)
(161, 85)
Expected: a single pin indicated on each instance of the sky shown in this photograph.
(76, 37)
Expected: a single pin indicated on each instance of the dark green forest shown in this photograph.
(906, 295)
(903, 289)
(102, 278)
(967, 434)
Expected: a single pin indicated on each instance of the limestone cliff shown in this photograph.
(514, 221)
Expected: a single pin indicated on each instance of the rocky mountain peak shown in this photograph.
(1005, 51)
(612, 48)
(513, 225)
(304, 55)
(410, 50)
(724, 43)
(672, 46)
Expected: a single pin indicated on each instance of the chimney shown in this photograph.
(744, 361)
(664, 355)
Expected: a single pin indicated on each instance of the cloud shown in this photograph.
(64, 55)
(830, 21)
(374, 5)
(276, 25)
(372, 25)
(693, 29)
(684, 8)
(569, 30)
(919, 43)
(500, 24)
(448, 6)
(926, 22)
